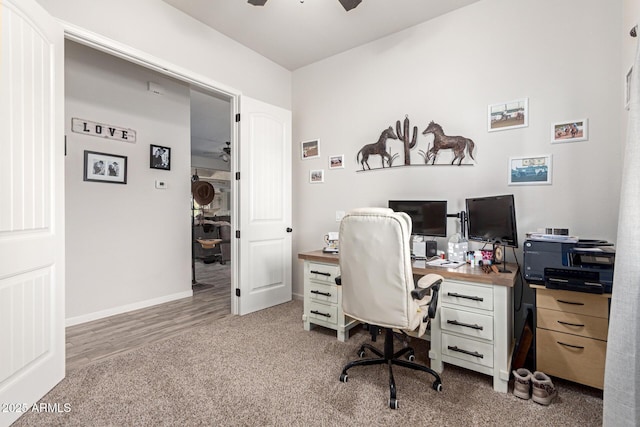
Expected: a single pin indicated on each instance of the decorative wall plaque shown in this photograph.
(103, 130)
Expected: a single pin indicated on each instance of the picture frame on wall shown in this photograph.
(530, 170)
(316, 176)
(336, 162)
(508, 115)
(310, 149)
(104, 167)
(159, 157)
(570, 131)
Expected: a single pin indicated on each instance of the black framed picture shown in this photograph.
(103, 167)
(160, 157)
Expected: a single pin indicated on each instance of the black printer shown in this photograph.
(583, 266)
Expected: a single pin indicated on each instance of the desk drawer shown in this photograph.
(467, 323)
(326, 313)
(572, 323)
(323, 292)
(573, 302)
(467, 349)
(467, 295)
(571, 357)
(322, 272)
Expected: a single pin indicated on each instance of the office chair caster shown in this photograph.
(344, 378)
(411, 357)
(361, 353)
(437, 385)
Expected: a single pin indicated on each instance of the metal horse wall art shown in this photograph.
(444, 142)
(379, 148)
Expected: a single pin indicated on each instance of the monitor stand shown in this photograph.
(503, 268)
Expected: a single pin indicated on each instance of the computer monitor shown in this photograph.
(493, 219)
(429, 217)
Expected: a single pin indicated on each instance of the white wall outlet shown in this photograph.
(339, 215)
(161, 185)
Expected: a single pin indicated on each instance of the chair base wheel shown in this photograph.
(344, 378)
(393, 403)
(437, 386)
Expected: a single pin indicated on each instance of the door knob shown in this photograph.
(289, 229)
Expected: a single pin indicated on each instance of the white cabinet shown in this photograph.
(323, 299)
(473, 329)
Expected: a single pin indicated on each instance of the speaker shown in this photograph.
(425, 249)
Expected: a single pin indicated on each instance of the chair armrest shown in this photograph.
(434, 287)
(338, 280)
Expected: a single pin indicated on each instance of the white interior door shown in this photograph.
(31, 206)
(265, 206)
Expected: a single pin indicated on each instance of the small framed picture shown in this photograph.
(531, 170)
(627, 88)
(508, 115)
(569, 131)
(310, 149)
(103, 167)
(316, 176)
(159, 157)
(336, 162)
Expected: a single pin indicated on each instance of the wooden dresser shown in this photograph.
(571, 335)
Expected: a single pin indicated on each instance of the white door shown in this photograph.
(265, 206)
(31, 206)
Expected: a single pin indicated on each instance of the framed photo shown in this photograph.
(310, 149)
(336, 162)
(103, 167)
(627, 88)
(569, 131)
(159, 157)
(508, 115)
(316, 176)
(531, 170)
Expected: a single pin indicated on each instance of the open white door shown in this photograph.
(32, 354)
(265, 206)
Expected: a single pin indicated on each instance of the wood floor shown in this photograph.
(104, 338)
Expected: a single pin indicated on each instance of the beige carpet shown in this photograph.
(263, 369)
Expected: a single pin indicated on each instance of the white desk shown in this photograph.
(473, 327)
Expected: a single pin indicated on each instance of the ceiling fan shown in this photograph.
(347, 4)
(225, 153)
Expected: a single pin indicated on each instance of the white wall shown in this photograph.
(127, 245)
(564, 56)
(156, 28)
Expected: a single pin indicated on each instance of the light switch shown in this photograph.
(161, 185)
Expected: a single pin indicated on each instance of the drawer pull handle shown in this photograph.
(470, 353)
(570, 302)
(326, 294)
(453, 294)
(467, 325)
(569, 324)
(320, 313)
(570, 345)
(322, 273)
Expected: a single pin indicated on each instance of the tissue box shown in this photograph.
(458, 251)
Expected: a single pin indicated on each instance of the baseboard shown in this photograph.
(297, 297)
(72, 321)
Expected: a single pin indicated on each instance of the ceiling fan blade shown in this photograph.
(257, 2)
(349, 4)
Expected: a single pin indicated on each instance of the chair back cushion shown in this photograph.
(375, 265)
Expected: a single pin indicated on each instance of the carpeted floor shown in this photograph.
(263, 369)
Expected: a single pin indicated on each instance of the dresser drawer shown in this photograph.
(326, 313)
(467, 295)
(323, 292)
(322, 273)
(573, 302)
(467, 323)
(572, 323)
(467, 349)
(571, 357)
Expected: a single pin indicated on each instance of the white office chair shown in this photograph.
(378, 287)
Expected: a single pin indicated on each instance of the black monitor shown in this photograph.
(429, 217)
(493, 219)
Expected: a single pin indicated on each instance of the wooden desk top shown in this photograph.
(420, 268)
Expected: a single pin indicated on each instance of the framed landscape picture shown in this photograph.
(508, 115)
(569, 131)
(316, 176)
(310, 149)
(336, 162)
(530, 170)
(103, 167)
